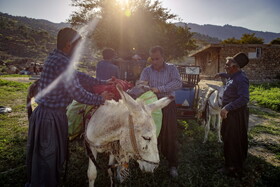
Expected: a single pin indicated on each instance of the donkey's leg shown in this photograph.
(213, 123)
(219, 128)
(207, 127)
(110, 170)
(92, 172)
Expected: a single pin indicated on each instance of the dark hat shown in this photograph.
(240, 58)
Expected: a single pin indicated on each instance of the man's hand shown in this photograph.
(217, 76)
(107, 95)
(224, 113)
(111, 80)
(155, 90)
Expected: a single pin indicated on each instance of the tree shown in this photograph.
(231, 41)
(251, 39)
(275, 41)
(245, 39)
(134, 26)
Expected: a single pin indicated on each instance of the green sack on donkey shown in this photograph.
(150, 97)
(75, 114)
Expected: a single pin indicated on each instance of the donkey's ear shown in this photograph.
(163, 102)
(127, 99)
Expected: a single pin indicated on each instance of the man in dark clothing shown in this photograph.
(106, 69)
(48, 125)
(235, 115)
(164, 79)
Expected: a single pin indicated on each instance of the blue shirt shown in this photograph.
(166, 80)
(67, 86)
(105, 70)
(236, 93)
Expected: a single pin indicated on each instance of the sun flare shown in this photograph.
(123, 3)
(124, 6)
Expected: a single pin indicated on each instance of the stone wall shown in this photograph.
(263, 68)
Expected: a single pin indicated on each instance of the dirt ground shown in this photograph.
(262, 138)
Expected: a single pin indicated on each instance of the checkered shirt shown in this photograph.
(66, 86)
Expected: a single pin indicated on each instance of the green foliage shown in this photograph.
(251, 39)
(245, 39)
(231, 41)
(134, 27)
(267, 95)
(205, 38)
(20, 37)
(275, 41)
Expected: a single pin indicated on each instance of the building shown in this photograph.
(264, 61)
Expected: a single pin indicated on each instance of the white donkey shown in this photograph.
(125, 130)
(213, 106)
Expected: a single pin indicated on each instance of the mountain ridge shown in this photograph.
(227, 31)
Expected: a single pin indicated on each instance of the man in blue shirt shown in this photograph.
(105, 69)
(235, 115)
(59, 85)
(164, 79)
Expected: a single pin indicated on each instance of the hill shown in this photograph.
(227, 31)
(27, 37)
(24, 40)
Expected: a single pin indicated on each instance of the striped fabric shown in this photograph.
(167, 80)
(63, 92)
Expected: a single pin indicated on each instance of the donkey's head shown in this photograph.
(216, 96)
(140, 137)
(220, 95)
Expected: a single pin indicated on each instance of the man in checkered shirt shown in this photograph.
(48, 124)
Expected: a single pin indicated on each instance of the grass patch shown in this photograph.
(267, 95)
(14, 75)
(13, 133)
(268, 129)
(262, 113)
(11, 86)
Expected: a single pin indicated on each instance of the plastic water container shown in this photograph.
(184, 97)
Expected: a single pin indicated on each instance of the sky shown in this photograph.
(259, 15)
